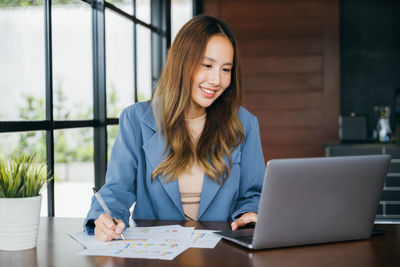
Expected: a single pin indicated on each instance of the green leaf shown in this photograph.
(22, 176)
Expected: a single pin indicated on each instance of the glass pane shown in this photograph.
(119, 60)
(144, 61)
(112, 131)
(22, 69)
(143, 10)
(74, 171)
(72, 61)
(124, 5)
(181, 12)
(30, 143)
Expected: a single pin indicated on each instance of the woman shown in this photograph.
(192, 153)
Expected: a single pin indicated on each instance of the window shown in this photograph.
(120, 75)
(181, 12)
(22, 66)
(63, 84)
(72, 60)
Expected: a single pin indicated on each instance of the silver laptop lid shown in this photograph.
(318, 200)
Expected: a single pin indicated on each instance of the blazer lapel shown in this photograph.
(154, 145)
(211, 188)
(208, 192)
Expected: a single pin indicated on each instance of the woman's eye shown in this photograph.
(207, 66)
(226, 70)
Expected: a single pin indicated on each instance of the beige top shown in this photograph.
(191, 181)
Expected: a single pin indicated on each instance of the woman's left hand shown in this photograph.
(246, 218)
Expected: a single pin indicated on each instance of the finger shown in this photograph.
(244, 219)
(106, 220)
(120, 227)
(234, 226)
(110, 232)
(239, 223)
(107, 226)
(101, 236)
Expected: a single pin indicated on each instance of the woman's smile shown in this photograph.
(208, 92)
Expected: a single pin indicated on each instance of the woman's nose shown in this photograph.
(214, 77)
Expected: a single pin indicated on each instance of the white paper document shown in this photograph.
(163, 249)
(159, 242)
(204, 239)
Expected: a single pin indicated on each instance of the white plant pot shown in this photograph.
(19, 222)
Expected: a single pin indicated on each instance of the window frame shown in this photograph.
(160, 28)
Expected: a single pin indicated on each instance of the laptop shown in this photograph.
(316, 200)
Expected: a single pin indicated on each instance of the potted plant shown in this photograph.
(21, 180)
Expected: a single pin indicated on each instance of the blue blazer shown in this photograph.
(138, 150)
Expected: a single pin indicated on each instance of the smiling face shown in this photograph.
(213, 75)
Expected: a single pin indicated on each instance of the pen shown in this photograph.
(105, 208)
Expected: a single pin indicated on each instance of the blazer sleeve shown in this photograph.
(252, 170)
(119, 191)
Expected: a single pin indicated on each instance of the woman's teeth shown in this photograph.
(208, 91)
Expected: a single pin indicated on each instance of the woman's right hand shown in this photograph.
(106, 230)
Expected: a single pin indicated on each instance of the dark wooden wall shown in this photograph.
(290, 59)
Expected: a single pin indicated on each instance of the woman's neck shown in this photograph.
(193, 112)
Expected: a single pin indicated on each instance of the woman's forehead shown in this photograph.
(219, 49)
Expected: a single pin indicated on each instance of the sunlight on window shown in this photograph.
(74, 171)
(22, 63)
(181, 12)
(119, 60)
(143, 10)
(72, 61)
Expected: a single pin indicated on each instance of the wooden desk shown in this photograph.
(56, 248)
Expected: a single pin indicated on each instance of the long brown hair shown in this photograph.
(223, 131)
